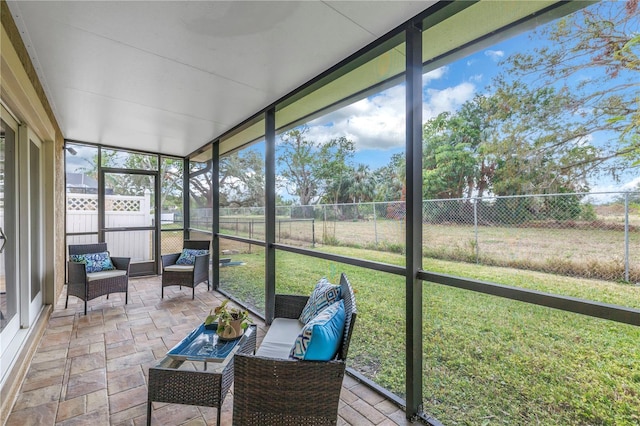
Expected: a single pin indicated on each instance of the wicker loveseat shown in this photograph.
(88, 286)
(282, 391)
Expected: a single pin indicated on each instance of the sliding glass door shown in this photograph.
(9, 309)
(128, 220)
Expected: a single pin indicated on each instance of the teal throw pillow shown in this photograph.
(323, 295)
(188, 256)
(320, 338)
(94, 262)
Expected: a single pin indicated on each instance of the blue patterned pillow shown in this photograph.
(320, 339)
(323, 295)
(188, 256)
(94, 262)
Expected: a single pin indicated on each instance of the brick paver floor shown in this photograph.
(92, 370)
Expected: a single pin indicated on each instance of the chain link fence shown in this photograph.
(567, 234)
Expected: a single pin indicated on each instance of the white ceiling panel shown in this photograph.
(167, 76)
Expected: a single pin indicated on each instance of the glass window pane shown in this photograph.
(242, 272)
(119, 159)
(82, 188)
(512, 167)
(9, 287)
(138, 245)
(378, 342)
(129, 200)
(526, 183)
(200, 207)
(172, 242)
(340, 175)
(242, 197)
(171, 182)
(487, 357)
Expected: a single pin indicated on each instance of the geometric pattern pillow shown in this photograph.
(320, 338)
(188, 256)
(94, 262)
(323, 295)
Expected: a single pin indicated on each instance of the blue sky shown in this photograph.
(376, 124)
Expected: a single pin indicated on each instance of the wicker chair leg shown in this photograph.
(193, 293)
(85, 308)
(66, 303)
(148, 413)
(162, 296)
(126, 297)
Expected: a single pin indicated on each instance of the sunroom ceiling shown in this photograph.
(167, 77)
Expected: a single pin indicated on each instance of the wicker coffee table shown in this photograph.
(189, 385)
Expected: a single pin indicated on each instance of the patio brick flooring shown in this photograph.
(92, 370)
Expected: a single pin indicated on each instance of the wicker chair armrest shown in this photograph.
(202, 388)
(201, 264)
(77, 272)
(289, 305)
(121, 263)
(169, 259)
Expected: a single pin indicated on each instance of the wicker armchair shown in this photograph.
(270, 391)
(186, 275)
(88, 286)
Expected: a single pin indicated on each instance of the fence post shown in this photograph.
(375, 223)
(626, 236)
(475, 227)
(324, 224)
(313, 232)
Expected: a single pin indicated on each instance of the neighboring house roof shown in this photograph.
(80, 180)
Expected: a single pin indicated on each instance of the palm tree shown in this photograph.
(362, 186)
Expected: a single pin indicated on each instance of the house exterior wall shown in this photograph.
(22, 92)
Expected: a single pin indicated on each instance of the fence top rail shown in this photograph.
(222, 220)
(483, 198)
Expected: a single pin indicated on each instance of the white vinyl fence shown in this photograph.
(120, 211)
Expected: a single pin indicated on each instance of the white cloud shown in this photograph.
(449, 99)
(476, 78)
(495, 55)
(436, 74)
(606, 193)
(378, 122)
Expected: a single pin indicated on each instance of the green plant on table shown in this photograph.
(225, 316)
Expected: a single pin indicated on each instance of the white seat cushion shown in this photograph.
(179, 268)
(105, 274)
(280, 338)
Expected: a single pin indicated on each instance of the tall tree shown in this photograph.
(361, 184)
(242, 179)
(449, 157)
(307, 168)
(593, 54)
(390, 180)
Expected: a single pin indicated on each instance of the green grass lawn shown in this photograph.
(487, 360)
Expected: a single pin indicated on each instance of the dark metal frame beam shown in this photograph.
(369, 264)
(413, 34)
(270, 214)
(565, 303)
(215, 214)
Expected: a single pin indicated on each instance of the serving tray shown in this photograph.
(203, 344)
